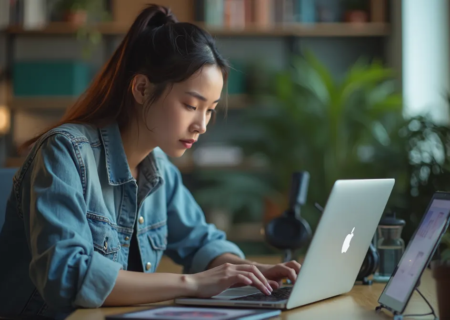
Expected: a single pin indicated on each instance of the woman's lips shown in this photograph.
(187, 143)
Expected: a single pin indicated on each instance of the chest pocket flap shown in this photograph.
(104, 235)
(158, 238)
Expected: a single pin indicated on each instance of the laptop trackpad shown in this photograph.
(233, 293)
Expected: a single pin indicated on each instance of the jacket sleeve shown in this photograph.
(64, 266)
(191, 241)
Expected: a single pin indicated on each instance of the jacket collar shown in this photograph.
(116, 159)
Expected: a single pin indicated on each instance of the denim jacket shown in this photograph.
(71, 215)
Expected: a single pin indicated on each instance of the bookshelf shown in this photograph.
(123, 13)
(370, 29)
(236, 101)
(41, 103)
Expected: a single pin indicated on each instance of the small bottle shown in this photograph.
(390, 246)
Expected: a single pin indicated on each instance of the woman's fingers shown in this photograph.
(275, 284)
(253, 269)
(238, 279)
(249, 272)
(294, 265)
(282, 271)
(290, 273)
(256, 282)
(247, 278)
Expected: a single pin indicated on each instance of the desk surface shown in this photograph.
(359, 303)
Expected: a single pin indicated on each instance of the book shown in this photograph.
(196, 313)
(378, 10)
(264, 13)
(214, 12)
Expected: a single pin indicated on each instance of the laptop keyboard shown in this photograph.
(277, 295)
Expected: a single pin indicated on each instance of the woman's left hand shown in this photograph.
(275, 273)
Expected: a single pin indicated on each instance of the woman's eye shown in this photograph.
(190, 107)
(212, 111)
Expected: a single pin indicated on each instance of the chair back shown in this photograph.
(6, 183)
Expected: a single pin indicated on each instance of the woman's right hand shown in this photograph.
(213, 281)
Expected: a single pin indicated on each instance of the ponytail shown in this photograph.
(156, 45)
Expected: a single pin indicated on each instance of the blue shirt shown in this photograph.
(72, 213)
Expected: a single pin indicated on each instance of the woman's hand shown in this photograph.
(213, 281)
(275, 273)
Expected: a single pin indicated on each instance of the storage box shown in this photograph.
(236, 77)
(50, 78)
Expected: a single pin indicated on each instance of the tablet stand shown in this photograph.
(398, 316)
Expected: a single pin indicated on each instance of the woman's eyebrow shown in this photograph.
(199, 96)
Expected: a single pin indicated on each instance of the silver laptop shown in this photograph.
(335, 255)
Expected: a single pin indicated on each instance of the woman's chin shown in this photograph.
(174, 153)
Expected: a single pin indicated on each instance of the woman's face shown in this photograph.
(181, 114)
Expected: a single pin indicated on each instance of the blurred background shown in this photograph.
(338, 88)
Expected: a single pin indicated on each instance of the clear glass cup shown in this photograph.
(390, 246)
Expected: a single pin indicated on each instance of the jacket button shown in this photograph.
(127, 238)
(141, 220)
(148, 266)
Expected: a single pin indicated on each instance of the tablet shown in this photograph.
(418, 254)
(195, 313)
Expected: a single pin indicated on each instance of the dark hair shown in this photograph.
(156, 45)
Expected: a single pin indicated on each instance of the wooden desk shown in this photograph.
(358, 304)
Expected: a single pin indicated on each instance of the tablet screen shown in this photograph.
(414, 259)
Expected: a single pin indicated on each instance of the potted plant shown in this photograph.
(74, 11)
(330, 127)
(420, 153)
(312, 121)
(441, 273)
(355, 11)
(83, 15)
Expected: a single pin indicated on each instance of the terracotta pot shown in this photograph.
(77, 18)
(441, 272)
(356, 16)
(271, 211)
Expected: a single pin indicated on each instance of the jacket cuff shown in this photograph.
(98, 283)
(212, 250)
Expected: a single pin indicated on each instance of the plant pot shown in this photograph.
(272, 210)
(441, 273)
(356, 16)
(76, 17)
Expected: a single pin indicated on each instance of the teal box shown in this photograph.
(236, 77)
(50, 78)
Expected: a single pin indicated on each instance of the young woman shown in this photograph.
(97, 202)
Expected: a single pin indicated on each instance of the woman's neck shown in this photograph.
(136, 146)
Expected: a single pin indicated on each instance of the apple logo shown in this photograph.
(347, 240)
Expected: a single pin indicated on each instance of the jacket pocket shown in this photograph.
(104, 235)
(158, 242)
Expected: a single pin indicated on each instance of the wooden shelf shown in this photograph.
(243, 168)
(62, 103)
(41, 103)
(298, 30)
(63, 28)
(305, 30)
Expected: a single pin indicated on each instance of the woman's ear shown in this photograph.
(140, 88)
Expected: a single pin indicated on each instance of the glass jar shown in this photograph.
(390, 246)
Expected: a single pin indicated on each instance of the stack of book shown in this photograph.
(31, 14)
(240, 14)
(257, 13)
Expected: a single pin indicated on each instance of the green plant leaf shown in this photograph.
(445, 255)
(332, 127)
